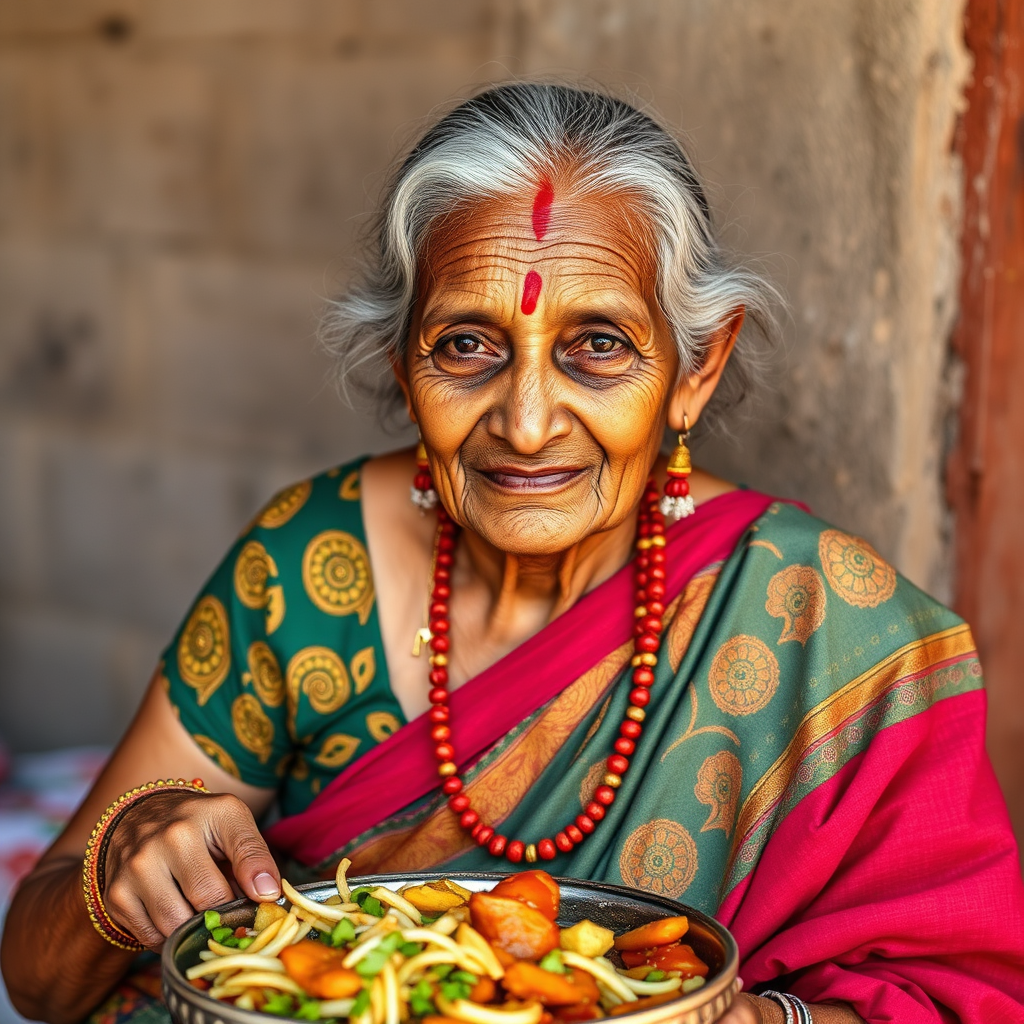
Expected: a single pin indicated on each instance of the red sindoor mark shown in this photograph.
(542, 209)
(541, 218)
(531, 292)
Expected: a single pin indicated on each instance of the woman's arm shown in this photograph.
(166, 860)
(750, 1009)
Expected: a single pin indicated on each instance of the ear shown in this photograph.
(693, 393)
(402, 379)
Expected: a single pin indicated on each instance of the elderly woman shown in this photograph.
(565, 649)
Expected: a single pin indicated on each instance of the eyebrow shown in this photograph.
(443, 314)
(612, 312)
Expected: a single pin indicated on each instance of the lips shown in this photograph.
(537, 479)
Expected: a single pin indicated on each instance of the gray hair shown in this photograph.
(500, 144)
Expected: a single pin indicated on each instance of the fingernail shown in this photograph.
(265, 885)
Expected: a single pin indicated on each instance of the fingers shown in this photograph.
(148, 907)
(160, 863)
(235, 834)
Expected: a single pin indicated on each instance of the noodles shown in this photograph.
(374, 956)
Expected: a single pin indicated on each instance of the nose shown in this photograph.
(529, 412)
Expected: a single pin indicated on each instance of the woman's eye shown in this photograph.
(466, 354)
(603, 345)
(600, 354)
(464, 345)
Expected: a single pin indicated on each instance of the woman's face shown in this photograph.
(540, 368)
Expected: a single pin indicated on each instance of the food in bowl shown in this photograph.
(436, 953)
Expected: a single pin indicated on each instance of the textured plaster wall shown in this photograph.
(181, 181)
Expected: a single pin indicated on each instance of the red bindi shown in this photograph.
(542, 209)
(531, 292)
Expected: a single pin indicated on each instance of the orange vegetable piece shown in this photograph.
(536, 888)
(318, 970)
(657, 933)
(529, 982)
(505, 959)
(677, 957)
(589, 992)
(483, 991)
(643, 1004)
(513, 926)
(579, 1013)
(439, 1018)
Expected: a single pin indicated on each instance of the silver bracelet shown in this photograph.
(796, 1010)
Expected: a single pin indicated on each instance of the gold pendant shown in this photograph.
(423, 636)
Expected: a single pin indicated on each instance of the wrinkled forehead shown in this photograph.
(549, 229)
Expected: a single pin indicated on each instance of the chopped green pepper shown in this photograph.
(343, 932)
(373, 963)
(453, 990)
(211, 919)
(553, 962)
(279, 1003)
(421, 999)
(361, 1004)
(390, 943)
(309, 1009)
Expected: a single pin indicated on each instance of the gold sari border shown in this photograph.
(900, 686)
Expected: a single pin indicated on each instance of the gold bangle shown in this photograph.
(93, 867)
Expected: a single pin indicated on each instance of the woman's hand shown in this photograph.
(169, 854)
(173, 854)
(751, 1009)
(747, 1009)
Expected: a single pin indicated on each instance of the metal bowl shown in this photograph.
(612, 906)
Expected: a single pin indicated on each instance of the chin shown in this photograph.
(531, 531)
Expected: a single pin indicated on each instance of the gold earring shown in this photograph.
(677, 502)
(422, 492)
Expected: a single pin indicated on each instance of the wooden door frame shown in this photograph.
(986, 470)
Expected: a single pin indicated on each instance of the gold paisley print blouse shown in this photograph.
(278, 671)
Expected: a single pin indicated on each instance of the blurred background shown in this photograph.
(182, 182)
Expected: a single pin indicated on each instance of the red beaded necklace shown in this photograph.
(649, 582)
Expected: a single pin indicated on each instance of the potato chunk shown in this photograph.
(437, 897)
(268, 913)
(587, 939)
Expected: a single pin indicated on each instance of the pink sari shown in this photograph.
(860, 851)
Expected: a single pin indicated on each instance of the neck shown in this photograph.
(526, 592)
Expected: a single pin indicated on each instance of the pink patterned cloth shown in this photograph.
(839, 879)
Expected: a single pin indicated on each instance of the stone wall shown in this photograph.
(181, 181)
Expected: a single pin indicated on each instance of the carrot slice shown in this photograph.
(483, 991)
(319, 971)
(513, 926)
(579, 1013)
(535, 887)
(529, 982)
(584, 981)
(677, 957)
(656, 933)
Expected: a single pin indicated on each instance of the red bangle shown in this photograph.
(93, 867)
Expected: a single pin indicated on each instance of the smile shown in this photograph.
(518, 479)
